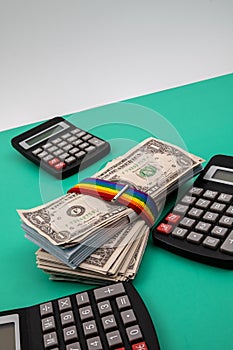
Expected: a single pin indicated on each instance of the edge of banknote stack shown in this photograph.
(86, 239)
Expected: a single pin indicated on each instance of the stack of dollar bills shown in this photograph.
(84, 238)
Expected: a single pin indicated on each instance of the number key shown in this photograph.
(70, 333)
(94, 344)
(219, 207)
(202, 203)
(86, 313)
(226, 221)
(67, 318)
(104, 307)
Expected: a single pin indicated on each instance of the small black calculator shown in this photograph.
(113, 317)
(60, 147)
(200, 225)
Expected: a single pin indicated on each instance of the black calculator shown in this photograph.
(112, 317)
(60, 147)
(200, 225)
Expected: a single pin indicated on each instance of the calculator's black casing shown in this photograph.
(31, 337)
(187, 249)
(69, 170)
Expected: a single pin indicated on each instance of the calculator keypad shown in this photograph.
(202, 217)
(68, 149)
(101, 319)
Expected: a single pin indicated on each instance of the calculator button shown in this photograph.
(48, 158)
(62, 144)
(224, 197)
(227, 246)
(70, 333)
(64, 304)
(48, 324)
(203, 226)
(58, 152)
(90, 149)
(42, 154)
(123, 302)
(70, 160)
(196, 191)
(80, 154)
(164, 228)
(114, 339)
(82, 299)
(60, 166)
(65, 136)
(75, 131)
(211, 242)
(46, 309)
(94, 344)
(104, 307)
(128, 317)
(76, 143)
(37, 151)
(195, 213)
(83, 145)
(229, 211)
(172, 218)
(96, 142)
(47, 145)
(140, 346)
(72, 139)
(194, 237)
(180, 209)
(109, 291)
(87, 137)
(219, 231)
(134, 333)
(52, 149)
(187, 222)
(73, 150)
(226, 221)
(67, 318)
(210, 217)
(90, 328)
(179, 232)
(203, 203)
(54, 161)
(210, 194)
(85, 313)
(50, 340)
(63, 156)
(67, 147)
(56, 141)
(81, 133)
(109, 322)
(188, 200)
(218, 207)
(73, 346)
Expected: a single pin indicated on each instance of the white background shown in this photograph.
(59, 57)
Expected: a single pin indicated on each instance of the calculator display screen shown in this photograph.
(7, 336)
(43, 135)
(223, 175)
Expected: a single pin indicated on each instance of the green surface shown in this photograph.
(191, 304)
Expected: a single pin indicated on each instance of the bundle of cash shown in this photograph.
(83, 238)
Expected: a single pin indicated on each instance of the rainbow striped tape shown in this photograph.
(123, 194)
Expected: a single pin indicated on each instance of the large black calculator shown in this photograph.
(60, 147)
(200, 225)
(112, 317)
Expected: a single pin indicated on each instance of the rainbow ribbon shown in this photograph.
(114, 192)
